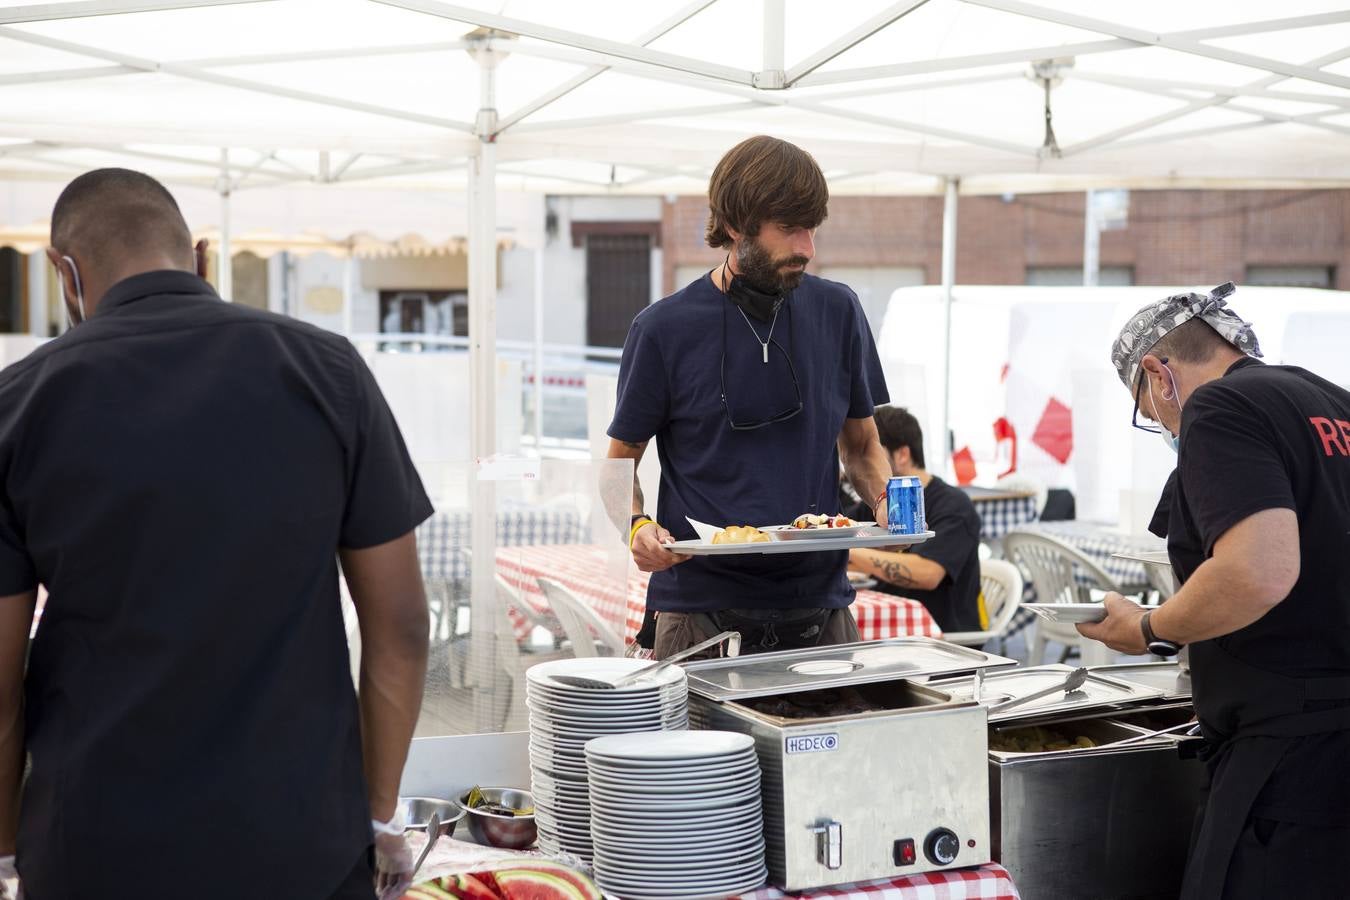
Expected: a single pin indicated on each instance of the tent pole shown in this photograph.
(1092, 241)
(224, 260)
(38, 315)
(539, 350)
(952, 187)
(488, 682)
(348, 290)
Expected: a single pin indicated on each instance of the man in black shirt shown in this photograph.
(1258, 529)
(943, 573)
(182, 475)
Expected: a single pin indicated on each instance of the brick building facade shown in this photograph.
(1172, 237)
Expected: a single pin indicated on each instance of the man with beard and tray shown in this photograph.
(756, 380)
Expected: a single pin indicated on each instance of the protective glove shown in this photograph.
(393, 859)
(8, 873)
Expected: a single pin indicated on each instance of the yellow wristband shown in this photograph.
(636, 525)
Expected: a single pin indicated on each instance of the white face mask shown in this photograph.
(1172, 441)
(79, 292)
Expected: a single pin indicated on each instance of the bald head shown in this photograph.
(109, 216)
(111, 224)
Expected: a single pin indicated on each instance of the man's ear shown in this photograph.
(199, 254)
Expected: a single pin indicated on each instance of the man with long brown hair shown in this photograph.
(756, 380)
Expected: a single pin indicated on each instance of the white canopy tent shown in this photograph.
(910, 96)
(892, 96)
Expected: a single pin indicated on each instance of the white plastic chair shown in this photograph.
(1001, 585)
(1060, 573)
(589, 634)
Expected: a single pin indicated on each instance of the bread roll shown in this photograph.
(740, 534)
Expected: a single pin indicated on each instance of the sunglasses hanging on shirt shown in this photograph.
(767, 344)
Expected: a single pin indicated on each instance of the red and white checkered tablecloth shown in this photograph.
(990, 882)
(586, 570)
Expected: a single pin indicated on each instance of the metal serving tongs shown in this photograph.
(732, 638)
(1073, 682)
(1191, 728)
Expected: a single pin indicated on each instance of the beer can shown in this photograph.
(904, 506)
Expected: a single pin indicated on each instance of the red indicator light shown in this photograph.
(904, 853)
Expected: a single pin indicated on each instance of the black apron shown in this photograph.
(1250, 718)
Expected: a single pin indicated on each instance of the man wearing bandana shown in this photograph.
(1258, 531)
(756, 381)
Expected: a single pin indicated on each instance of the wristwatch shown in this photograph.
(633, 521)
(1157, 645)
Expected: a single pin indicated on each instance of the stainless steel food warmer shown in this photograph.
(1107, 821)
(867, 773)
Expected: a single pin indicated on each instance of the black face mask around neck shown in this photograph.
(760, 304)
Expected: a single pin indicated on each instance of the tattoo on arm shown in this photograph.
(634, 445)
(896, 573)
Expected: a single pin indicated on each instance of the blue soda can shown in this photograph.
(904, 506)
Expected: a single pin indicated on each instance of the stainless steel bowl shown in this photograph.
(497, 830)
(417, 812)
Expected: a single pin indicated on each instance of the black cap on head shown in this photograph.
(109, 214)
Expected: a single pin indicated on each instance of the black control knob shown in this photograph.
(941, 846)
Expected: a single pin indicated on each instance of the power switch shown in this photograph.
(903, 852)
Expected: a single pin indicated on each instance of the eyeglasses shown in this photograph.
(792, 371)
(1139, 388)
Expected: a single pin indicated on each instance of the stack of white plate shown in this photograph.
(676, 815)
(564, 717)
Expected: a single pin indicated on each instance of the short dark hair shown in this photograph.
(898, 428)
(763, 179)
(108, 213)
(1193, 341)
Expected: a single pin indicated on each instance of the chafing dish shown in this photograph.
(890, 780)
(1108, 821)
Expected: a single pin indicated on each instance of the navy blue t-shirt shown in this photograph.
(678, 354)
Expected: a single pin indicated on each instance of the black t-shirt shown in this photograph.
(955, 545)
(179, 473)
(1266, 437)
(1277, 437)
(678, 355)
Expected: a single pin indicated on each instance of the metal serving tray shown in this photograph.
(1098, 692)
(872, 536)
(813, 668)
(1167, 677)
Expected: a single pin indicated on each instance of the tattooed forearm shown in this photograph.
(896, 573)
(639, 501)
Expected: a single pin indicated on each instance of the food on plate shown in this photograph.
(1037, 739)
(740, 534)
(810, 520)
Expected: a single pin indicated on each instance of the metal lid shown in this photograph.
(1167, 677)
(813, 668)
(1098, 691)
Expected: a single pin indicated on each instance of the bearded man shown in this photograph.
(756, 381)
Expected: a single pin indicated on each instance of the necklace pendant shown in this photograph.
(765, 348)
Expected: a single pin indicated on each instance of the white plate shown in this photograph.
(715, 860)
(602, 668)
(675, 693)
(724, 890)
(613, 816)
(688, 843)
(1068, 613)
(656, 832)
(654, 809)
(665, 746)
(629, 884)
(579, 715)
(636, 777)
(662, 771)
(735, 784)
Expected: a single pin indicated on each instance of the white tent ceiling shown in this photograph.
(594, 95)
